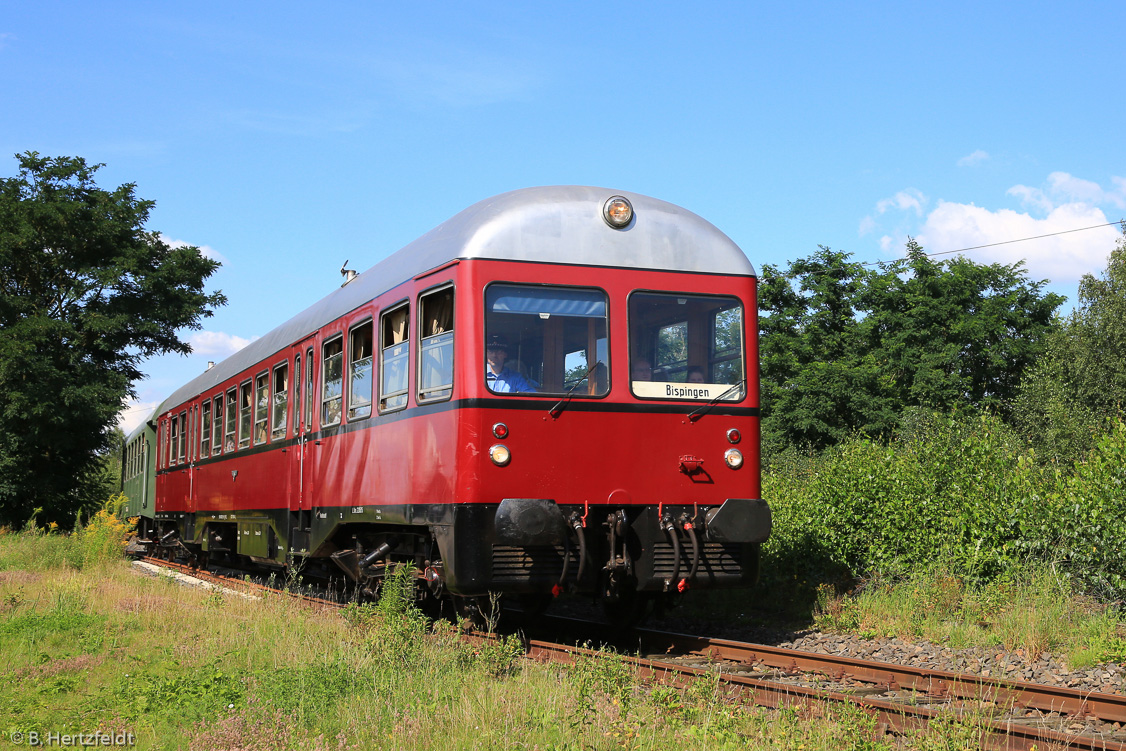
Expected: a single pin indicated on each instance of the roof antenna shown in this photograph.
(347, 273)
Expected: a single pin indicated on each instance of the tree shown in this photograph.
(956, 333)
(846, 348)
(86, 294)
(1079, 387)
(817, 381)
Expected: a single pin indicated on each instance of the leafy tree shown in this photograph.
(86, 294)
(817, 381)
(846, 348)
(956, 333)
(1078, 388)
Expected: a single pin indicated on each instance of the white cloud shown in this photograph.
(1062, 188)
(973, 159)
(903, 200)
(1064, 203)
(206, 250)
(1061, 258)
(217, 343)
(133, 413)
(1031, 197)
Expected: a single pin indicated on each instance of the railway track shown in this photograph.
(1010, 714)
(242, 586)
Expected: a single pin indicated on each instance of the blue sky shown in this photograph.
(285, 138)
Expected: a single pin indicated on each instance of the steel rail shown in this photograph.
(937, 684)
(1009, 734)
(236, 584)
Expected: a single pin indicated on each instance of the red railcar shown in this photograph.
(556, 388)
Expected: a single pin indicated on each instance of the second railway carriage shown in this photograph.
(555, 389)
(138, 468)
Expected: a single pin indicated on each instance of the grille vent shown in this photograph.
(716, 558)
(511, 564)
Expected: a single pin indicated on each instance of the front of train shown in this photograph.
(612, 441)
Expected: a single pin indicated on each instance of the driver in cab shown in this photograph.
(499, 378)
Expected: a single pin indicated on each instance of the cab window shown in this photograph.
(546, 339)
(686, 347)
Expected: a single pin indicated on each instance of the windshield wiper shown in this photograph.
(697, 413)
(562, 403)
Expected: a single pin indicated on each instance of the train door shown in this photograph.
(193, 413)
(300, 506)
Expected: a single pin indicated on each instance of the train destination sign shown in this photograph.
(695, 391)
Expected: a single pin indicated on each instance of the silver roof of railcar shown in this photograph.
(559, 224)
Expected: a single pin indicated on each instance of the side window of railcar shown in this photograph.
(359, 372)
(333, 375)
(309, 388)
(174, 450)
(394, 360)
(281, 400)
(298, 415)
(230, 435)
(217, 432)
(436, 345)
(261, 407)
(205, 431)
(686, 347)
(245, 414)
(546, 339)
(183, 437)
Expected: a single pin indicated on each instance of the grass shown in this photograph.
(94, 646)
(1033, 610)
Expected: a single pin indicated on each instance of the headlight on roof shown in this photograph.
(617, 211)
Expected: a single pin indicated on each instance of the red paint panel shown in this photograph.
(442, 456)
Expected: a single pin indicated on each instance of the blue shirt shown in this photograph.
(507, 381)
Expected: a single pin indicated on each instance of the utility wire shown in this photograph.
(135, 409)
(1005, 242)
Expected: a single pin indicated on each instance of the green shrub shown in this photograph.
(968, 492)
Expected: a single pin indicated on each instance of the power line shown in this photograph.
(1006, 242)
(136, 409)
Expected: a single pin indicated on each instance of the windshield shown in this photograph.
(546, 340)
(685, 346)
